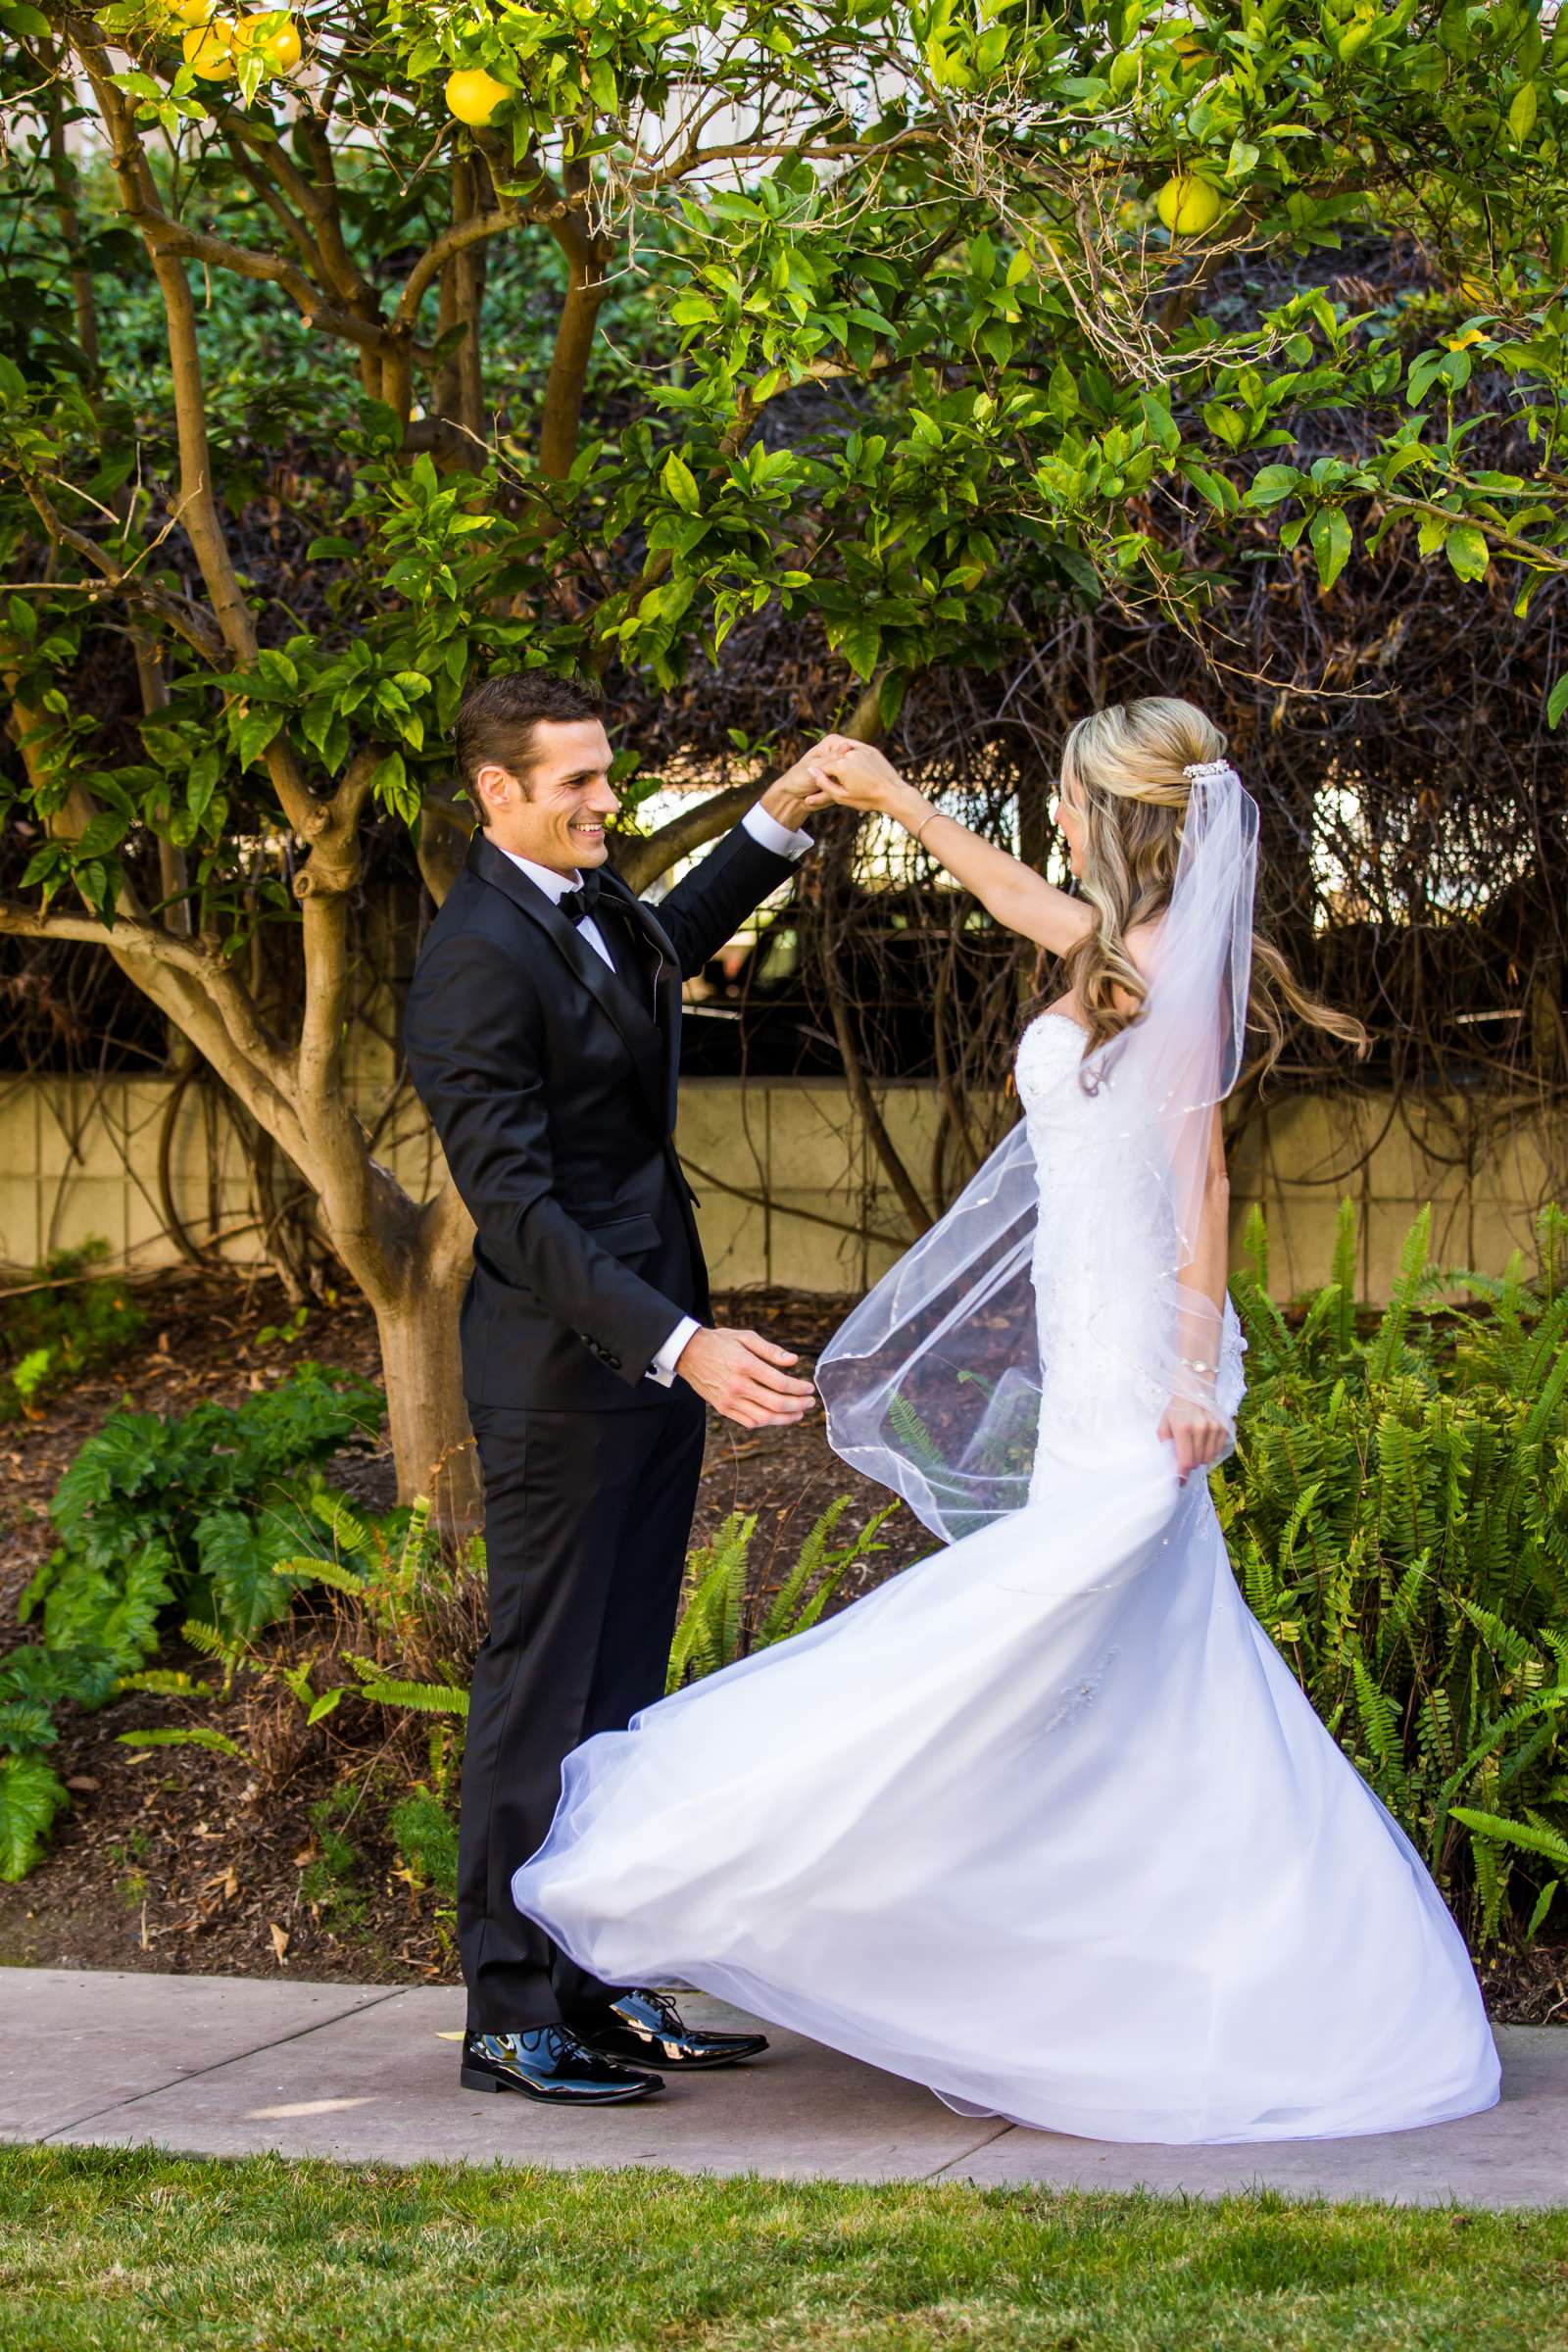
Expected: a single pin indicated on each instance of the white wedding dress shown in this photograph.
(1044, 1822)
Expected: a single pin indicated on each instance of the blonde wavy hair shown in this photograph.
(1123, 769)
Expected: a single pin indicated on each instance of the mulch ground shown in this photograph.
(193, 1860)
(190, 1860)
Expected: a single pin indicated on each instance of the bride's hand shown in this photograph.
(796, 792)
(859, 777)
(1198, 1433)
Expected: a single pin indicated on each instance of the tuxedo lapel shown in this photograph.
(666, 963)
(645, 1040)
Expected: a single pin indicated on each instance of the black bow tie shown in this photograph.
(579, 904)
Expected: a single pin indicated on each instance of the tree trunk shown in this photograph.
(432, 1444)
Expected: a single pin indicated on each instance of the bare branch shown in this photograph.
(185, 619)
(640, 862)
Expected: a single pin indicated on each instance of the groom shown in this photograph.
(543, 1032)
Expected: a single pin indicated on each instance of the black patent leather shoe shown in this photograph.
(646, 2028)
(551, 2063)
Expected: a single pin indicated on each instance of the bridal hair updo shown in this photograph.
(1123, 770)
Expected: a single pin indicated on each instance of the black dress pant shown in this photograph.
(587, 1521)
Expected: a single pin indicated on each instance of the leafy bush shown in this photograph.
(203, 1512)
(1396, 1509)
(199, 1510)
(60, 1324)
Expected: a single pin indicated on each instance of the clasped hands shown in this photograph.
(837, 772)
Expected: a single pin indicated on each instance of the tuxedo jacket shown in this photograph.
(550, 1081)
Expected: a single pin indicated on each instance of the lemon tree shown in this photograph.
(351, 348)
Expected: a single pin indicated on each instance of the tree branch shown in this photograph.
(451, 241)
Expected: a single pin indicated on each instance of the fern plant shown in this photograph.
(198, 1510)
(33, 1682)
(1397, 1507)
(718, 1623)
(201, 1511)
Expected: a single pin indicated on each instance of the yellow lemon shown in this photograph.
(191, 12)
(1188, 205)
(280, 47)
(474, 95)
(209, 50)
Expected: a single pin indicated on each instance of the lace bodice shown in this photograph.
(1104, 1251)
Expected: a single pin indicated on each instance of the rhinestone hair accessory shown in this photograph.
(1209, 771)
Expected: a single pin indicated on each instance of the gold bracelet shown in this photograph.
(919, 831)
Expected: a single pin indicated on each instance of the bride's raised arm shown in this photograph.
(1018, 898)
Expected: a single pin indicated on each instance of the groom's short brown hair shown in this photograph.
(496, 720)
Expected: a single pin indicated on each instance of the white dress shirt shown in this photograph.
(773, 836)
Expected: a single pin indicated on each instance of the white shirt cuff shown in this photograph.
(771, 835)
(663, 1368)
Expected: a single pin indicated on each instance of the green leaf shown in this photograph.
(259, 727)
(1534, 1838)
(426, 1698)
(1330, 533)
(1557, 700)
(1522, 112)
(186, 1735)
(1061, 392)
(680, 483)
(100, 834)
(30, 1796)
(1163, 428)
(390, 785)
(1467, 551)
(240, 1556)
(1272, 485)
(859, 644)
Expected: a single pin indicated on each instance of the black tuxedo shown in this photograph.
(550, 1081)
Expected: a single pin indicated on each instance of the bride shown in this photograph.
(1045, 1823)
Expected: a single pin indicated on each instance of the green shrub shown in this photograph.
(1398, 1512)
(63, 1322)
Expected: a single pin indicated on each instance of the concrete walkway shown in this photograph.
(224, 2066)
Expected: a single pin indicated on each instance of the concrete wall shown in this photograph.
(790, 1191)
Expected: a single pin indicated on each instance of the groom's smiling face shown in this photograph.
(555, 806)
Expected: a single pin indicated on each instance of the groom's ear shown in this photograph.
(496, 788)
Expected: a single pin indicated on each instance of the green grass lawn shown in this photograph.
(114, 2248)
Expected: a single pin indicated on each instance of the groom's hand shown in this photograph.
(798, 789)
(746, 1378)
